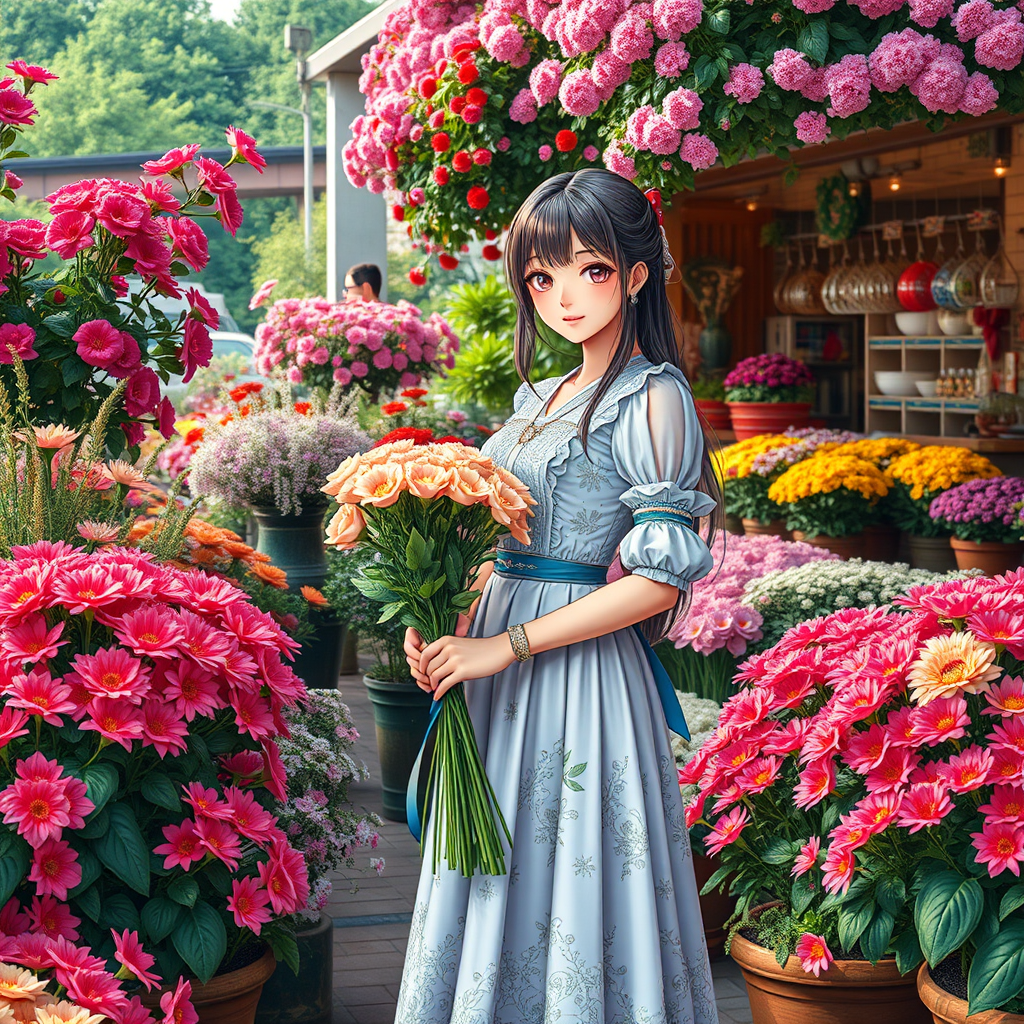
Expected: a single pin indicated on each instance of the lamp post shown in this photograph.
(299, 41)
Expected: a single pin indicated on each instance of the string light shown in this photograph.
(895, 181)
(854, 188)
(751, 204)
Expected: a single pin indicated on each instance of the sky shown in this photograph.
(224, 9)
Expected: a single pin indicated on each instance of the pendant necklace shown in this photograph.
(532, 429)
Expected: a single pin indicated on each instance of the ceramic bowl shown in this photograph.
(913, 322)
(954, 323)
(900, 383)
(927, 388)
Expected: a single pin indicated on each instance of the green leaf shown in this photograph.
(908, 951)
(89, 903)
(853, 919)
(453, 568)
(123, 849)
(184, 890)
(704, 71)
(997, 971)
(160, 917)
(875, 939)
(91, 870)
(202, 940)
(577, 769)
(947, 910)
(14, 867)
(63, 325)
(95, 827)
(285, 948)
(573, 785)
(780, 851)
(720, 875)
(802, 894)
(158, 789)
(891, 894)
(102, 781)
(813, 41)
(1013, 899)
(415, 550)
(389, 611)
(72, 371)
(720, 22)
(118, 912)
(372, 589)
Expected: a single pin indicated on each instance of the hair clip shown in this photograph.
(653, 196)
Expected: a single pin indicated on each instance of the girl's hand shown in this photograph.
(453, 659)
(413, 648)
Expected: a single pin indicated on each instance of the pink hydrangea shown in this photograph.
(671, 60)
(609, 73)
(674, 18)
(618, 163)
(1001, 47)
(973, 18)
(813, 6)
(636, 124)
(545, 153)
(505, 44)
(849, 85)
(523, 108)
(928, 12)
(941, 86)
(544, 81)
(632, 38)
(980, 95)
(660, 135)
(898, 59)
(789, 70)
(745, 83)
(578, 94)
(682, 107)
(811, 128)
(877, 8)
(698, 151)
(503, 144)
(591, 153)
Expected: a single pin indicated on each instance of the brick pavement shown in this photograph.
(372, 913)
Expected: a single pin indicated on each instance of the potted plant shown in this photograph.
(919, 477)
(400, 707)
(709, 397)
(785, 598)
(321, 823)
(985, 520)
(746, 492)
(828, 500)
(368, 347)
(768, 393)
(863, 788)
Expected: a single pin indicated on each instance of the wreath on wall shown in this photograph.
(838, 214)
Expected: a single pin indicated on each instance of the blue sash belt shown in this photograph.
(528, 566)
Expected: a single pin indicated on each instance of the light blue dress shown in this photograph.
(597, 920)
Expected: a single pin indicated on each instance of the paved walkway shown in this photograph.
(372, 914)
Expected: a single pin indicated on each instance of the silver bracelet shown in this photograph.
(520, 643)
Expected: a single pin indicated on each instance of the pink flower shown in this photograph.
(116, 720)
(817, 780)
(814, 953)
(248, 902)
(39, 694)
(698, 151)
(790, 70)
(813, 6)
(1006, 805)
(31, 72)
(17, 340)
(113, 672)
(55, 921)
(675, 18)
(213, 177)
(15, 107)
(973, 18)
(39, 809)
(968, 770)
(206, 802)
(188, 240)
(849, 85)
(99, 343)
(671, 60)
(726, 830)
(55, 869)
(897, 60)
(1001, 46)
(893, 771)
(1000, 846)
(121, 214)
(545, 79)
(176, 1005)
(578, 94)
(129, 952)
(26, 237)
(928, 13)
(163, 729)
(160, 197)
(837, 871)
(182, 847)
(172, 160)
(523, 108)
(229, 211)
(941, 86)
(807, 858)
(943, 719)
(264, 290)
(70, 232)
(745, 83)
(631, 38)
(142, 393)
(682, 107)
(811, 128)
(243, 148)
(285, 877)
(924, 804)
(249, 818)
(660, 136)
(12, 724)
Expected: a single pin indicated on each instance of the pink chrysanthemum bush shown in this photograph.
(469, 104)
(869, 779)
(719, 625)
(79, 327)
(374, 346)
(140, 709)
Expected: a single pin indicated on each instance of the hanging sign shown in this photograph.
(892, 230)
(932, 227)
(982, 220)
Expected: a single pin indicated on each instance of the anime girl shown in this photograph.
(597, 919)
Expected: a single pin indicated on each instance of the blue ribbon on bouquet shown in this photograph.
(528, 566)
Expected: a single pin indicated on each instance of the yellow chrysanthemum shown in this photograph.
(738, 458)
(826, 472)
(939, 467)
(881, 451)
(952, 665)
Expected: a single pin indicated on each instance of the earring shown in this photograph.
(634, 298)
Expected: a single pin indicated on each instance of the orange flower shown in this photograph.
(225, 420)
(342, 477)
(380, 485)
(140, 530)
(468, 486)
(270, 574)
(393, 408)
(204, 555)
(194, 436)
(243, 391)
(345, 527)
(244, 410)
(314, 597)
(302, 408)
(952, 665)
(426, 479)
(204, 532)
(238, 549)
(54, 435)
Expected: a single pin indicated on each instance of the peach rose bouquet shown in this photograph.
(433, 512)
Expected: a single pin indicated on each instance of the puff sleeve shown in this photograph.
(657, 445)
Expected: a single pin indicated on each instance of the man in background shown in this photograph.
(363, 282)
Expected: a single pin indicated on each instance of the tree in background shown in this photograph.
(281, 254)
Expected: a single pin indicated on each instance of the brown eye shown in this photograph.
(599, 273)
(539, 281)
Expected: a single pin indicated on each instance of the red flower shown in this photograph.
(441, 175)
(468, 73)
(393, 408)
(462, 162)
(481, 157)
(427, 87)
(565, 141)
(472, 114)
(419, 435)
(476, 96)
(440, 142)
(461, 53)
(414, 392)
(477, 197)
(491, 252)
(417, 276)
(172, 160)
(243, 146)
(490, 234)
(302, 408)
(458, 104)
(32, 72)
(15, 108)
(398, 212)
(243, 391)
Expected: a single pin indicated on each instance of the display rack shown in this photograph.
(912, 414)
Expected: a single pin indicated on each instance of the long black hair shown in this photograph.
(610, 216)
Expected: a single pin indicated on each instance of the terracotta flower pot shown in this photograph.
(734, 525)
(715, 412)
(853, 546)
(715, 908)
(947, 1008)
(849, 992)
(776, 528)
(991, 557)
(752, 418)
(932, 553)
(229, 998)
(881, 543)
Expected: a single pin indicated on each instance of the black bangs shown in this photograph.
(547, 231)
